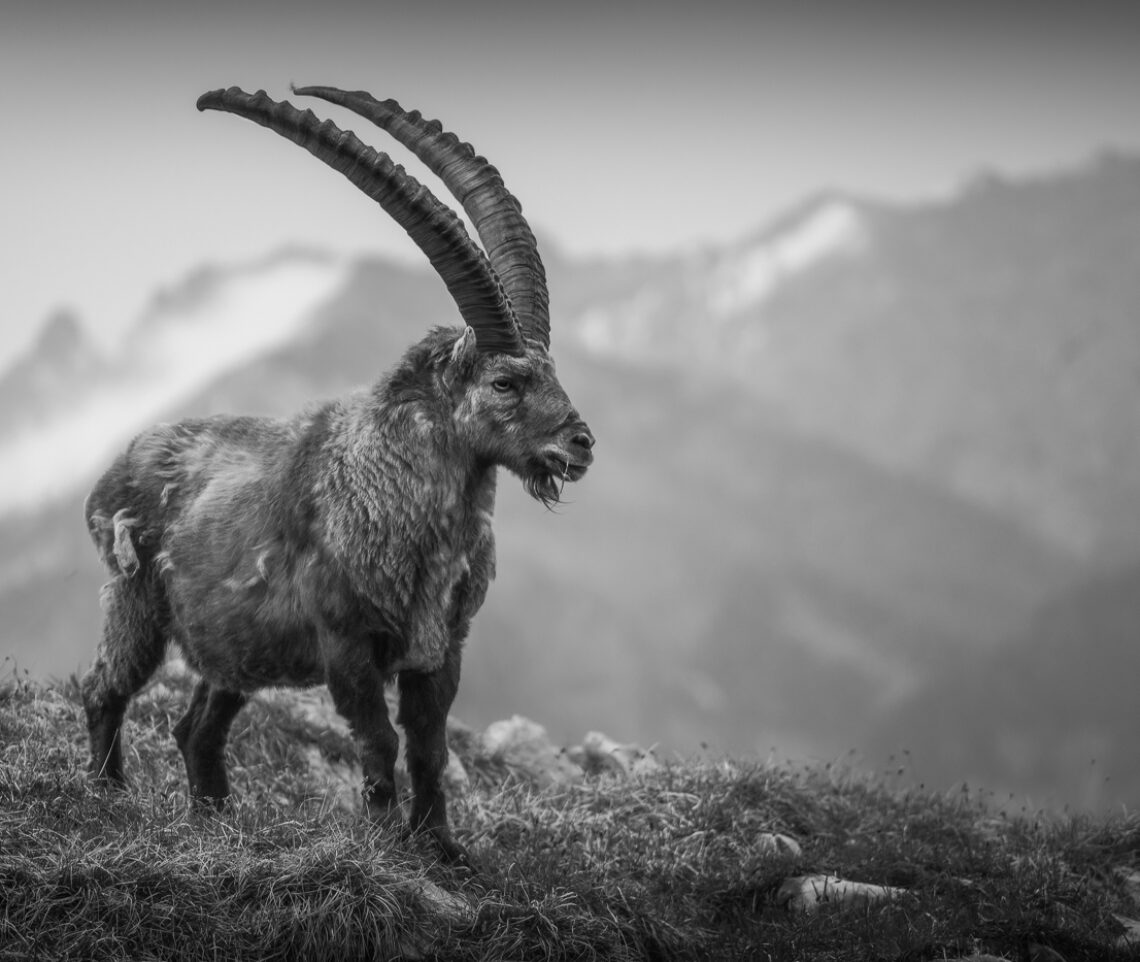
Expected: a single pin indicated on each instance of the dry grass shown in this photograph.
(668, 866)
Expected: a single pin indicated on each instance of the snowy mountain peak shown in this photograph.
(230, 318)
(226, 318)
(62, 347)
(748, 276)
(38, 383)
(722, 286)
(62, 336)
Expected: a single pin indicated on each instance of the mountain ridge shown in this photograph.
(811, 515)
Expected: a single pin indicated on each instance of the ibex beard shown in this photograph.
(350, 545)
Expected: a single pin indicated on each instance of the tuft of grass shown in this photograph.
(676, 864)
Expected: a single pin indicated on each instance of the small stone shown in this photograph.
(1131, 935)
(807, 893)
(1130, 878)
(341, 781)
(447, 910)
(774, 843)
(600, 753)
(523, 744)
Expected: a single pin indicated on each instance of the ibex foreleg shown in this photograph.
(425, 699)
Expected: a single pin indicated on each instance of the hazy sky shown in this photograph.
(622, 127)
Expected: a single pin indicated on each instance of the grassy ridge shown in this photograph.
(675, 864)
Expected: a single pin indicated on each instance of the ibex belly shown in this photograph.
(238, 615)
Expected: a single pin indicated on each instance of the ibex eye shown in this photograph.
(503, 385)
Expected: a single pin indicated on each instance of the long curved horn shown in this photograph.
(436, 229)
(495, 212)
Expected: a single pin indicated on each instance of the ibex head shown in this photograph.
(507, 403)
(511, 410)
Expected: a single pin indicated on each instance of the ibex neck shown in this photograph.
(403, 451)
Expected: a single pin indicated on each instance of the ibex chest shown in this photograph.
(414, 536)
(453, 565)
(440, 601)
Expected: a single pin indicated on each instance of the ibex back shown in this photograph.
(351, 544)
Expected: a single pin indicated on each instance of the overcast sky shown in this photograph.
(656, 127)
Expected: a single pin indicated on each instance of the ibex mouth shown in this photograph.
(563, 465)
(550, 472)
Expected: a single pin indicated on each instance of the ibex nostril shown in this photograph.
(583, 439)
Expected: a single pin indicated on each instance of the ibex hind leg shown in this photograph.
(201, 737)
(357, 689)
(132, 648)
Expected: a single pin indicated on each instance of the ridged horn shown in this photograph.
(477, 185)
(436, 229)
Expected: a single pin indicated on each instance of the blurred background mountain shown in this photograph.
(866, 480)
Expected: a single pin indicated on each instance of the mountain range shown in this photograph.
(866, 480)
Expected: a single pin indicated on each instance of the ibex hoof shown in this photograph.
(451, 851)
(101, 778)
(208, 804)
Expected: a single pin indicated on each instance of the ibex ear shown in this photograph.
(457, 360)
(463, 352)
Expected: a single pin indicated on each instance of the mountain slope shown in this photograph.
(842, 466)
(987, 344)
(212, 324)
(680, 862)
(38, 385)
(1053, 706)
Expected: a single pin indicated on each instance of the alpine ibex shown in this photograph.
(352, 543)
